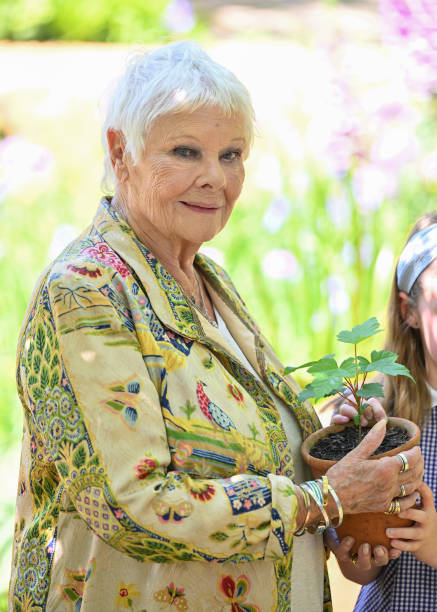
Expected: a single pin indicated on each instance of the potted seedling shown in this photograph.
(351, 380)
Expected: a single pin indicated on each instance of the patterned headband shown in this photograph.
(418, 253)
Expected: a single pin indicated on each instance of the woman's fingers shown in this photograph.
(340, 419)
(347, 411)
(373, 411)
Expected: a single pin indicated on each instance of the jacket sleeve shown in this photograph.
(98, 413)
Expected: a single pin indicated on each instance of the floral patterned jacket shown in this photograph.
(155, 471)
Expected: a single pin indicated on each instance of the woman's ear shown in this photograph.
(117, 148)
(407, 313)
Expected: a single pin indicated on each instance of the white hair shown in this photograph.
(176, 77)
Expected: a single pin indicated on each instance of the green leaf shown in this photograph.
(55, 379)
(350, 367)
(262, 526)
(290, 369)
(385, 362)
(363, 362)
(93, 461)
(360, 332)
(37, 393)
(371, 390)
(357, 420)
(326, 364)
(40, 338)
(322, 387)
(71, 593)
(220, 536)
(47, 354)
(44, 377)
(63, 469)
(117, 388)
(79, 457)
(116, 405)
(36, 363)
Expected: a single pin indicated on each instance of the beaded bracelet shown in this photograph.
(306, 499)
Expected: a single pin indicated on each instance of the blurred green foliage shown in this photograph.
(99, 20)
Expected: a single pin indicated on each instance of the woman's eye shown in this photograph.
(231, 155)
(185, 152)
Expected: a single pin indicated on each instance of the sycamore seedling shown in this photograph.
(348, 380)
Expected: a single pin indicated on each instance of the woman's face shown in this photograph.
(424, 317)
(184, 187)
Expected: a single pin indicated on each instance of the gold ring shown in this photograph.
(354, 559)
(404, 461)
(403, 491)
(394, 507)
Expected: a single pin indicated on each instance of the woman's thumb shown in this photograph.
(371, 441)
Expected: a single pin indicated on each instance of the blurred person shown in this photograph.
(408, 582)
(160, 459)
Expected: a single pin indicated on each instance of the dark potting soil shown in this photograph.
(335, 446)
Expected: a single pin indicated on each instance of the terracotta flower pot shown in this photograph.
(366, 527)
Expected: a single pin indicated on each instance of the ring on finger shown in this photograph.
(354, 559)
(404, 461)
(403, 491)
(394, 507)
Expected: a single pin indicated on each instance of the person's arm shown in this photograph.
(421, 538)
(98, 413)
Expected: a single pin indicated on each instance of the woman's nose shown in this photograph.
(211, 174)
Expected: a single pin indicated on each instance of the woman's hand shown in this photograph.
(347, 411)
(365, 485)
(421, 538)
(367, 566)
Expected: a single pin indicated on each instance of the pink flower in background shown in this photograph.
(21, 161)
(371, 185)
(276, 214)
(395, 142)
(338, 297)
(412, 25)
(281, 264)
(179, 16)
(339, 209)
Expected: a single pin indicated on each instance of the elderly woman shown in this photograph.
(160, 463)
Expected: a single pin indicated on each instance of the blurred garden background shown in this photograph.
(343, 163)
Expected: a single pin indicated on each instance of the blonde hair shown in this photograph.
(403, 398)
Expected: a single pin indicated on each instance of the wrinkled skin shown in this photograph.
(365, 485)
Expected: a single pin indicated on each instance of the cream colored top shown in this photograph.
(307, 570)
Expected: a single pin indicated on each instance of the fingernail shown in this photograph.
(366, 549)
(378, 551)
(389, 533)
(348, 541)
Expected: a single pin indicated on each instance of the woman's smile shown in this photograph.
(203, 208)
